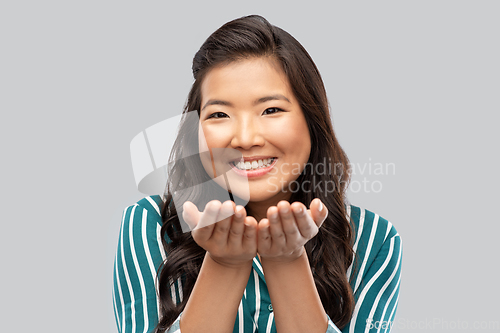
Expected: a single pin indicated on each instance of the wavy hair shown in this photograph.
(330, 252)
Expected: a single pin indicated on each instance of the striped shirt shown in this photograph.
(375, 280)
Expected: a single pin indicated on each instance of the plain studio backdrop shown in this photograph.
(414, 94)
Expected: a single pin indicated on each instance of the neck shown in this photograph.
(258, 209)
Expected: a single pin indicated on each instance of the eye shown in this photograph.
(272, 110)
(216, 115)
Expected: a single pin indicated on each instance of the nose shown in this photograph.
(247, 134)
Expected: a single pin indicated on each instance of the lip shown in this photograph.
(254, 173)
(251, 158)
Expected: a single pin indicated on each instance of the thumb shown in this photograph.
(190, 214)
(318, 212)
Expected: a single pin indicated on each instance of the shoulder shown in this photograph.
(140, 233)
(149, 207)
(377, 247)
(369, 227)
(153, 204)
(376, 240)
(375, 272)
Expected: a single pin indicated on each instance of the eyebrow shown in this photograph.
(257, 101)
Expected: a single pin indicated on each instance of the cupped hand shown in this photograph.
(224, 231)
(282, 235)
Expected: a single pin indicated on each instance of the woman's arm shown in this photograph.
(296, 303)
(292, 290)
(214, 301)
(231, 246)
(376, 279)
(138, 257)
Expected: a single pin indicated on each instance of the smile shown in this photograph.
(253, 165)
(253, 168)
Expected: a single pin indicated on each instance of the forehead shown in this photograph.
(248, 78)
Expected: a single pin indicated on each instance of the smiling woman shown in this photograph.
(258, 115)
(283, 254)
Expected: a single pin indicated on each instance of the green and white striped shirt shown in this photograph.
(375, 281)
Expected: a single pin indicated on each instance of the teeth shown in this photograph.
(255, 164)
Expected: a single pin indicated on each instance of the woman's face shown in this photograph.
(254, 130)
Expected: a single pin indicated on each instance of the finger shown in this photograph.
(250, 234)
(209, 215)
(204, 230)
(275, 216)
(237, 227)
(221, 229)
(318, 212)
(228, 212)
(278, 239)
(264, 236)
(288, 221)
(306, 226)
(190, 214)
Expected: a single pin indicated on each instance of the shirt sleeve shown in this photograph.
(377, 290)
(378, 294)
(332, 328)
(175, 328)
(139, 255)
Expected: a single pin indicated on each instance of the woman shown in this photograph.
(286, 253)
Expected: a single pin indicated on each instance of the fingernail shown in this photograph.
(320, 206)
(238, 212)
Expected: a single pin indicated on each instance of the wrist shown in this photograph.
(229, 263)
(287, 259)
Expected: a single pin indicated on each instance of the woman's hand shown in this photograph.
(224, 231)
(282, 235)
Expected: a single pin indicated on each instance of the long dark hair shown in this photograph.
(330, 251)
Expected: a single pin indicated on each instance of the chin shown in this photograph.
(260, 197)
(266, 194)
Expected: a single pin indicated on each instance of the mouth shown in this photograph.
(254, 164)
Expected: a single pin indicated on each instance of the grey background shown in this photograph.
(411, 83)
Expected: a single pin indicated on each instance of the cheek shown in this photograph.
(294, 136)
(202, 142)
(205, 158)
(211, 138)
(304, 139)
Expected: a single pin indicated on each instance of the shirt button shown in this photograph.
(270, 307)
